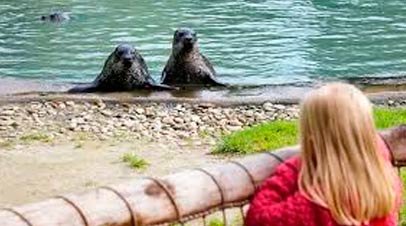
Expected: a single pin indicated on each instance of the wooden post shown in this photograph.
(177, 197)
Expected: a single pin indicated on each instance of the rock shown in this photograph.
(7, 113)
(205, 118)
(156, 126)
(104, 130)
(61, 105)
(128, 123)
(139, 111)
(219, 116)
(87, 117)
(72, 126)
(193, 126)
(70, 103)
(161, 114)
(142, 118)
(7, 122)
(178, 120)
(107, 113)
(279, 107)
(78, 121)
(233, 128)
(267, 106)
(249, 113)
(391, 102)
(206, 105)
(51, 112)
(259, 116)
(149, 112)
(126, 105)
(235, 122)
(100, 104)
(168, 120)
(85, 128)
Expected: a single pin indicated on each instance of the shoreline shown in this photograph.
(23, 91)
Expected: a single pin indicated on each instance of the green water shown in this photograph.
(248, 41)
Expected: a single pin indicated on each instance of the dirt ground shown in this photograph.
(33, 172)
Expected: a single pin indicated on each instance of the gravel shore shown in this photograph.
(148, 121)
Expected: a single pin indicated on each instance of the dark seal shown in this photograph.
(186, 65)
(56, 17)
(124, 70)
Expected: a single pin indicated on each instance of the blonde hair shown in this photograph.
(342, 168)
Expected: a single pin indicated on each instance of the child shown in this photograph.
(343, 176)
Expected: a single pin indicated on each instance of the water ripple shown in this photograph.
(249, 42)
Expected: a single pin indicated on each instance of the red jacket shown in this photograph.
(279, 203)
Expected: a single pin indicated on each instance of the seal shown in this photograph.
(186, 65)
(124, 70)
(56, 17)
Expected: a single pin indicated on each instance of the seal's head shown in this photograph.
(184, 39)
(125, 54)
(56, 17)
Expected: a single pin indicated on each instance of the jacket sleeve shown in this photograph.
(277, 201)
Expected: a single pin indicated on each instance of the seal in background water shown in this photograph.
(124, 70)
(56, 17)
(186, 65)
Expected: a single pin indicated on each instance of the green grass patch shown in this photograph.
(388, 117)
(6, 144)
(216, 222)
(277, 134)
(135, 161)
(267, 136)
(39, 137)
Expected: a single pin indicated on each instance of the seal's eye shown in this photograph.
(120, 53)
(181, 34)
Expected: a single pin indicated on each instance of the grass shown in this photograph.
(39, 137)
(388, 117)
(6, 144)
(277, 134)
(216, 222)
(134, 161)
(79, 145)
(263, 137)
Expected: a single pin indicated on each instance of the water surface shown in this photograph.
(248, 41)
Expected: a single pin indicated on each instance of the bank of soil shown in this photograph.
(38, 171)
(55, 147)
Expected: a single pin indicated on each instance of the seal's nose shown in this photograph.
(189, 38)
(127, 58)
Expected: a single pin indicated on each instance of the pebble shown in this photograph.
(268, 106)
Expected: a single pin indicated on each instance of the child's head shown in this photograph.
(342, 168)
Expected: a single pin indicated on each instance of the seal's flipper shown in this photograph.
(210, 80)
(84, 89)
(154, 86)
(214, 82)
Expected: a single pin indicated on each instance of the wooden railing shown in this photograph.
(177, 198)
